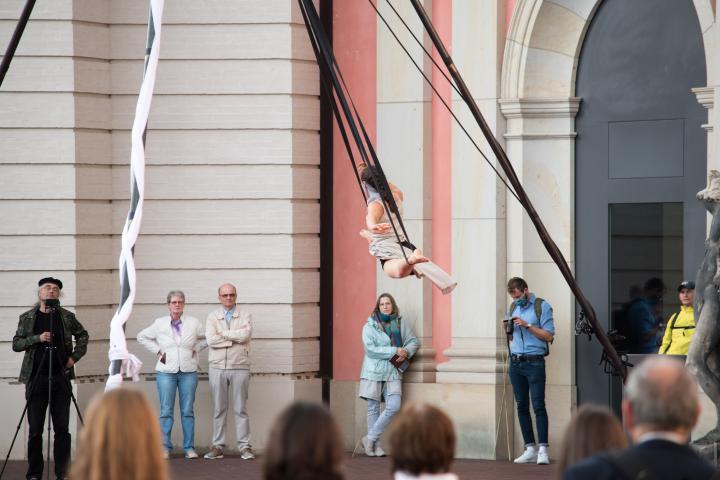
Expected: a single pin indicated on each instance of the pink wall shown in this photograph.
(354, 285)
(509, 9)
(441, 181)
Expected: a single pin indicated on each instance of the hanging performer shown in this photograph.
(384, 242)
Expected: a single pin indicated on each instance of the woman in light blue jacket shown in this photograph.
(385, 336)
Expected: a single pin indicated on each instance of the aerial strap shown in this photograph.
(121, 361)
(15, 39)
(346, 113)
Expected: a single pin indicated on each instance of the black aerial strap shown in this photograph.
(15, 39)
(335, 85)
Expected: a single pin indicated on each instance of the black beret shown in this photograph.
(52, 280)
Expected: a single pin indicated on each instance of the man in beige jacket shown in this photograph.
(228, 331)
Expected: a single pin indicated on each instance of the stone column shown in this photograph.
(478, 203)
(474, 369)
(405, 149)
(540, 143)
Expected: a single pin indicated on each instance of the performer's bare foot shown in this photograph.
(417, 257)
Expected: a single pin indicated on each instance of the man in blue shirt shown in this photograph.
(533, 330)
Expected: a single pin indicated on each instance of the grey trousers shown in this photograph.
(233, 383)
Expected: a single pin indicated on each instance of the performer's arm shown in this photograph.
(374, 214)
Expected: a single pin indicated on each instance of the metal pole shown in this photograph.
(15, 39)
(502, 157)
(115, 365)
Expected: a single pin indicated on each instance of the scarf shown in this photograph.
(391, 326)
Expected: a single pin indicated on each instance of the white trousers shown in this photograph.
(233, 384)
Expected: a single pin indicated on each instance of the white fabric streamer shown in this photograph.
(118, 344)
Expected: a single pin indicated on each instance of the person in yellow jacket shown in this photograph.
(681, 325)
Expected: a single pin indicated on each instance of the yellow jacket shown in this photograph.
(678, 332)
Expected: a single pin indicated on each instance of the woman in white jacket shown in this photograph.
(176, 339)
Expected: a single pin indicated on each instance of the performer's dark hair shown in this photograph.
(305, 444)
(368, 176)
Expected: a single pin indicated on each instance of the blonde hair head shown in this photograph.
(120, 439)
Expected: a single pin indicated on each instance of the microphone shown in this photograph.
(52, 303)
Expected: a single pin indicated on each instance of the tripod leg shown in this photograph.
(29, 389)
(49, 427)
(68, 385)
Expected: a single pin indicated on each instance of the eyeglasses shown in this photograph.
(177, 302)
(228, 295)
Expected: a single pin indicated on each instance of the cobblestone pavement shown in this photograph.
(358, 468)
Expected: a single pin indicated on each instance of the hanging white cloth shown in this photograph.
(118, 345)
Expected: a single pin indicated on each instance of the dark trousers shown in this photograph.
(528, 380)
(60, 414)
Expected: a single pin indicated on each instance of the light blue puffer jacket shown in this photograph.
(378, 351)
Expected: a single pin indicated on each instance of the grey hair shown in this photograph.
(37, 294)
(175, 293)
(663, 394)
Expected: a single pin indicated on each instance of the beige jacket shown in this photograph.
(229, 347)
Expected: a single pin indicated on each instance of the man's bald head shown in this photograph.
(663, 395)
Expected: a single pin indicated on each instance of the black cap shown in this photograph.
(686, 284)
(52, 280)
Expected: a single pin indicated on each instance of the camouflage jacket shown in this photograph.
(26, 340)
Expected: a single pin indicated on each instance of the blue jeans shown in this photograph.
(376, 421)
(167, 384)
(528, 379)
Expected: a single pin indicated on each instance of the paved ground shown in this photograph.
(358, 468)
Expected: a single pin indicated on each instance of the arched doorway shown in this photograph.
(640, 158)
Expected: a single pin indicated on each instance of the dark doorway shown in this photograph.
(640, 159)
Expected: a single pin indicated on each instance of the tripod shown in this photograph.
(50, 352)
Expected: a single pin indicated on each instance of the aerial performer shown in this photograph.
(398, 257)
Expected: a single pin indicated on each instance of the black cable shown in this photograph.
(15, 39)
(447, 107)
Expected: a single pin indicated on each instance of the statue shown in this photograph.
(703, 358)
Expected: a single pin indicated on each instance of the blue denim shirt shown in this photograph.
(523, 341)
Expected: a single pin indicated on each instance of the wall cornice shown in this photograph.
(539, 107)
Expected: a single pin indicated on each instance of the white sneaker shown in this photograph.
(247, 454)
(528, 456)
(191, 454)
(543, 458)
(368, 445)
(379, 452)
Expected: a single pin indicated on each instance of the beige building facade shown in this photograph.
(233, 191)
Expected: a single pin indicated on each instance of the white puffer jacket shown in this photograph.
(180, 356)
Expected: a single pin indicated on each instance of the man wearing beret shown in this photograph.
(45, 332)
